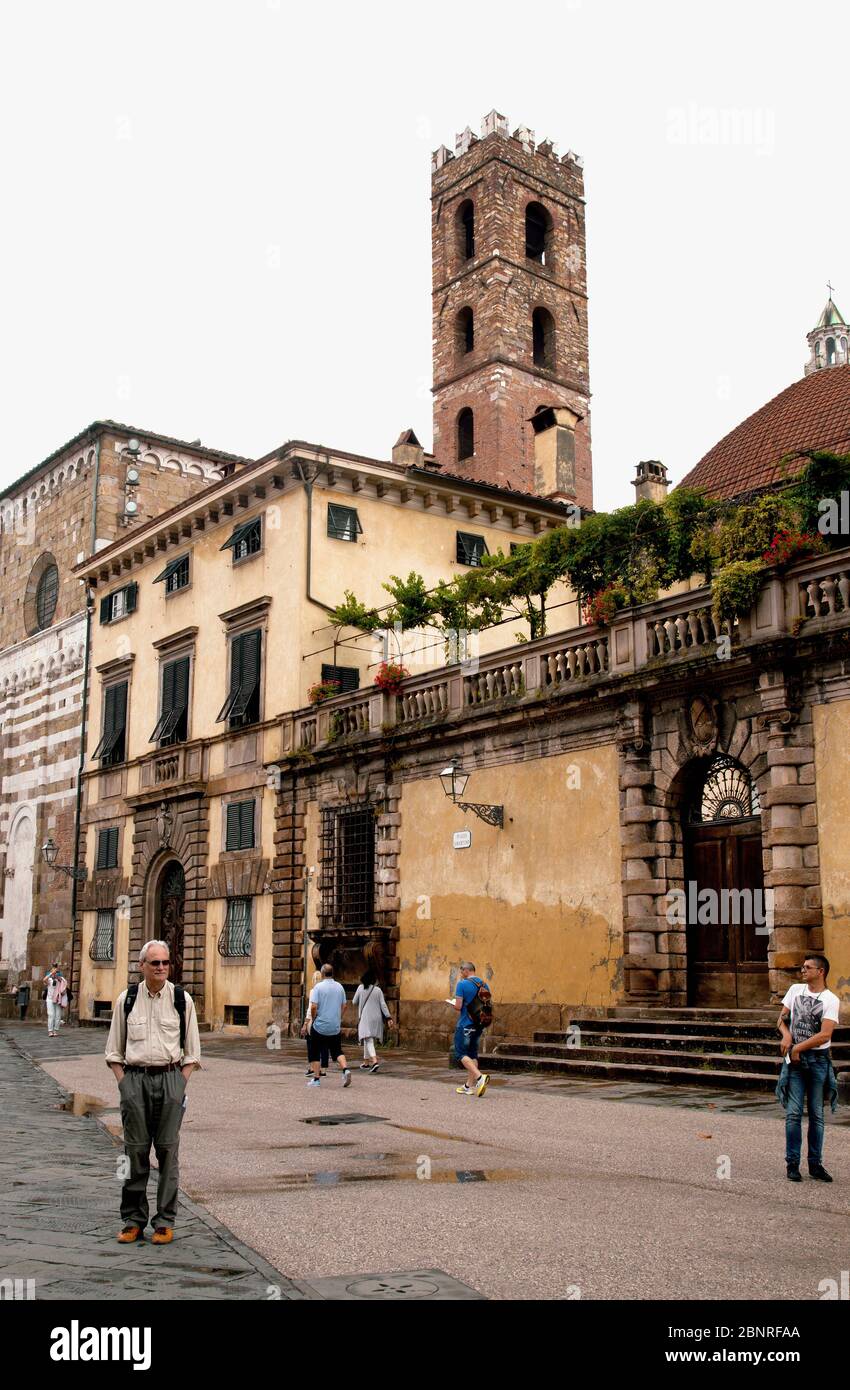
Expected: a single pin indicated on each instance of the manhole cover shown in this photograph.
(346, 1119)
(406, 1286)
(470, 1175)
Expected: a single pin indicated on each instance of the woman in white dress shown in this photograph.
(372, 1012)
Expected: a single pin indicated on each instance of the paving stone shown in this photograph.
(54, 1172)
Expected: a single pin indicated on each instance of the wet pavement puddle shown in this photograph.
(348, 1118)
(441, 1134)
(288, 1182)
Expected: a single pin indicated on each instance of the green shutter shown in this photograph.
(106, 608)
(132, 593)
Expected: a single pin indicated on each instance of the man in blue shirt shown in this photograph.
(467, 1033)
(327, 1001)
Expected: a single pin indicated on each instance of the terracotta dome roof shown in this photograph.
(814, 413)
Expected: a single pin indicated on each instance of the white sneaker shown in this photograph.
(346, 1077)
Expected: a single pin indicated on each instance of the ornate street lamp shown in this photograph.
(454, 781)
(50, 852)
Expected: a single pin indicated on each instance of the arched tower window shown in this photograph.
(543, 338)
(41, 595)
(538, 234)
(830, 352)
(465, 331)
(465, 435)
(844, 348)
(466, 229)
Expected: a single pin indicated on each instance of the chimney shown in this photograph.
(407, 451)
(651, 481)
(555, 452)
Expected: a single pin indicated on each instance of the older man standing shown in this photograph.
(153, 1048)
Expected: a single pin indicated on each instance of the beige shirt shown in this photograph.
(150, 1036)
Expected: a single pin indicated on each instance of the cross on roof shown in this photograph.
(829, 287)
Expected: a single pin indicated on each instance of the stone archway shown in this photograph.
(169, 902)
(18, 896)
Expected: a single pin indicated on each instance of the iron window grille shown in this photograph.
(470, 549)
(240, 825)
(107, 848)
(247, 539)
(173, 723)
(348, 867)
(346, 677)
(119, 603)
(235, 939)
(242, 705)
(103, 942)
(112, 748)
(343, 523)
(46, 597)
(237, 1014)
(728, 793)
(175, 576)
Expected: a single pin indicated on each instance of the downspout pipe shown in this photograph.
(84, 708)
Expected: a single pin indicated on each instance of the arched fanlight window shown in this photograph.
(727, 793)
(465, 435)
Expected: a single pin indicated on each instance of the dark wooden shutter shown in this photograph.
(107, 848)
(347, 677)
(132, 593)
(106, 608)
(249, 664)
(240, 825)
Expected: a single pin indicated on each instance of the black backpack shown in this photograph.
(480, 1009)
(179, 1004)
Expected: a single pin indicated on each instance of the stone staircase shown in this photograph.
(737, 1048)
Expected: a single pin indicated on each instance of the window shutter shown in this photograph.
(106, 608)
(131, 592)
(181, 684)
(246, 825)
(348, 677)
(233, 825)
(249, 671)
(119, 709)
(107, 848)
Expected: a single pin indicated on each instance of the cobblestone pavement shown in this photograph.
(59, 1197)
(611, 1190)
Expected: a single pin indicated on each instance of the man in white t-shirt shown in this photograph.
(812, 1011)
(327, 1002)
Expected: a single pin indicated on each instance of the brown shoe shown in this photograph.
(162, 1235)
(129, 1234)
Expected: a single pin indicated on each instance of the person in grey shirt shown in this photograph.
(372, 1012)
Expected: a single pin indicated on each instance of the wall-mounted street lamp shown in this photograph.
(454, 781)
(50, 853)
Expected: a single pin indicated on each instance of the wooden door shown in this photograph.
(172, 901)
(727, 960)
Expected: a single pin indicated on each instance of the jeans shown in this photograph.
(807, 1081)
(54, 1017)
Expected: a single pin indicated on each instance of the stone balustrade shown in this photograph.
(676, 627)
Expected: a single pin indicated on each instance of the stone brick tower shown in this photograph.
(509, 303)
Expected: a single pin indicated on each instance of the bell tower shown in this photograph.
(509, 304)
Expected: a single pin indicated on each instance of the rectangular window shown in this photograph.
(119, 603)
(346, 677)
(343, 523)
(107, 848)
(235, 939)
(240, 825)
(470, 549)
(348, 868)
(242, 705)
(175, 576)
(237, 1015)
(112, 748)
(103, 942)
(173, 723)
(247, 539)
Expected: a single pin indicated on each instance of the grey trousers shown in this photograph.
(151, 1113)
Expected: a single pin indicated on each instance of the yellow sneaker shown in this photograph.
(481, 1084)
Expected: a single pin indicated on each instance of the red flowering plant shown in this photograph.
(321, 691)
(788, 546)
(604, 605)
(390, 676)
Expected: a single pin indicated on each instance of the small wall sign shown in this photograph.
(462, 839)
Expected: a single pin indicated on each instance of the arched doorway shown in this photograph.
(170, 909)
(17, 913)
(728, 923)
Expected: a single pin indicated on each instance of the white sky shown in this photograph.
(217, 215)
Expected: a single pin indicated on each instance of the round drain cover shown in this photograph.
(393, 1286)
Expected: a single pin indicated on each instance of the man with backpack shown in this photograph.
(474, 1003)
(153, 1048)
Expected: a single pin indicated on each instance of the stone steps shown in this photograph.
(702, 1047)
